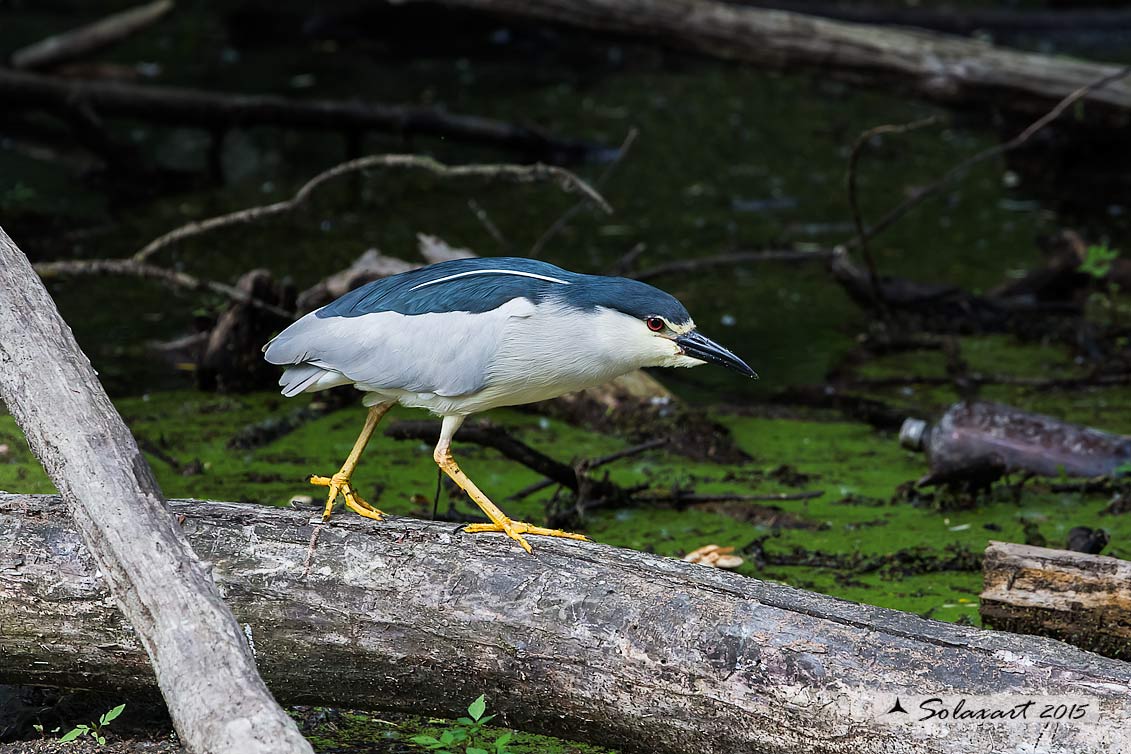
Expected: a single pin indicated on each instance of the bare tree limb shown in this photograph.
(894, 214)
(138, 265)
(731, 259)
(857, 219)
(203, 665)
(512, 173)
(962, 20)
(172, 278)
(564, 220)
(80, 42)
(218, 111)
(937, 67)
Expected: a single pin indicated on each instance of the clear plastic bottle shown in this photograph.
(974, 437)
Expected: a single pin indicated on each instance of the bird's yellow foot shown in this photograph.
(340, 483)
(515, 530)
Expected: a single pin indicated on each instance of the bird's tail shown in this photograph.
(307, 378)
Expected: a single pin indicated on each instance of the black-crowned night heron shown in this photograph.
(470, 335)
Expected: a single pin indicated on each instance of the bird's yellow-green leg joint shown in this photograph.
(340, 483)
(499, 520)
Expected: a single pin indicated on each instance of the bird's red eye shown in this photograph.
(655, 324)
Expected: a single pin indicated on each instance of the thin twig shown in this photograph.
(563, 221)
(625, 263)
(592, 464)
(897, 212)
(733, 258)
(172, 278)
(857, 220)
(309, 559)
(634, 450)
(76, 43)
(515, 173)
(485, 220)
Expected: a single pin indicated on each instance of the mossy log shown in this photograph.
(581, 640)
(1072, 596)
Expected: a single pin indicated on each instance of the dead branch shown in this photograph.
(80, 42)
(857, 219)
(217, 112)
(138, 265)
(512, 173)
(962, 20)
(729, 260)
(568, 215)
(894, 214)
(588, 465)
(171, 278)
(499, 439)
(618, 648)
(198, 652)
(937, 67)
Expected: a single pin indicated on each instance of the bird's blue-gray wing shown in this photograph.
(445, 353)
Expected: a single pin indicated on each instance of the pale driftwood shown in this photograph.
(635, 651)
(203, 665)
(1073, 596)
(215, 110)
(936, 67)
(77, 43)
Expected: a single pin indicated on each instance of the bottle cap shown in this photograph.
(911, 433)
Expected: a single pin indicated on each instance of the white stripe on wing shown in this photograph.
(547, 278)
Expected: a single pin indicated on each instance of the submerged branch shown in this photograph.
(217, 111)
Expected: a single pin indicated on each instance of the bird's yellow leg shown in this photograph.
(340, 482)
(499, 520)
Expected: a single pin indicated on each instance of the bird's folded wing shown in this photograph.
(445, 353)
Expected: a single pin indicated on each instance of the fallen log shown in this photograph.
(622, 648)
(963, 20)
(1072, 596)
(214, 110)
(172, 608)
(940, 68)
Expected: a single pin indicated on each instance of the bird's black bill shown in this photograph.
(699, 347)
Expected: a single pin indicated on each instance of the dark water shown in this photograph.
(727, 158)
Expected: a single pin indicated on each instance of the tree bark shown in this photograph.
(940, 68)
(205, 109)
(1079, 598)
(585, 641)
(203, 665)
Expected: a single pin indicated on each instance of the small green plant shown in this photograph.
(465, 734)
(1097, 260)
(94, 730)
(1103, 303)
